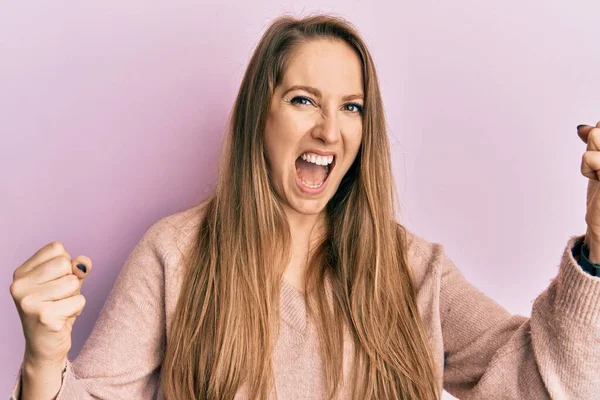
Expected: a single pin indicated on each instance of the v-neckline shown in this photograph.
(292, 307)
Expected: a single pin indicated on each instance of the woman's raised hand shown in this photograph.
(47, 292)
(590, 168)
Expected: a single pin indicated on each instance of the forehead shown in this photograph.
(331, 66)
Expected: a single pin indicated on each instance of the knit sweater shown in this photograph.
(481, 350)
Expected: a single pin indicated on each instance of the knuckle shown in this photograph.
(585, 160)
(28, 305)
(72, 283)
(591, 137)
(63, 260)
(45, 317)
(15, 289)
(63, 264)
(83, 301)
(57, 246)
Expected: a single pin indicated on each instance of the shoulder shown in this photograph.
(171, 234)
(424, 257)
(419, 246)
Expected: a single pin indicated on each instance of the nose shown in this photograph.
(328, 128)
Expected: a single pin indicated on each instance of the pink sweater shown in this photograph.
(483, 351)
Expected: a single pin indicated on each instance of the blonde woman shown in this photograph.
(295, 281)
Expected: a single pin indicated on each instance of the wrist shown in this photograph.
(591, 252)
(593, 248)
(37, 363)
(594, 256)
(592, 243)
(41, 380)
(34, 366)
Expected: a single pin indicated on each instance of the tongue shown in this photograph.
(309, 172)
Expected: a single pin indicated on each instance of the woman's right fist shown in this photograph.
(47, 292)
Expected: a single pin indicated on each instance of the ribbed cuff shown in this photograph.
(577, 292)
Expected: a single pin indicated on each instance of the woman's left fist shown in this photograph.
(590, 167)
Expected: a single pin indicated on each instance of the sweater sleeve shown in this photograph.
(121, 358)
(491, 354)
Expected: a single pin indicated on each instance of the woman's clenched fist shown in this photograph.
(47, 292)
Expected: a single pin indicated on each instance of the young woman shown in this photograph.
(295, 281)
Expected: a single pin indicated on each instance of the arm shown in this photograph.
(492, 354)
(122, 356)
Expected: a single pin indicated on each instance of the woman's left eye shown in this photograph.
(354, 108)
(305, 101)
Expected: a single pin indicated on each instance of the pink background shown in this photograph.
(112, 116)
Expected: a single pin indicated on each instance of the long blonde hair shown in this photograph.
(227, 316)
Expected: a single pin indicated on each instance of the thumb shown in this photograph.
(81, 266)
(583, 131)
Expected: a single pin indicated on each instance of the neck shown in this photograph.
(305, 230)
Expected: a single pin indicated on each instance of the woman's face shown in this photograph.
(314, 124)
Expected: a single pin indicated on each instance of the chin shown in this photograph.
(309, 207)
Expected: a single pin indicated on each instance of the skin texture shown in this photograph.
(328, 119)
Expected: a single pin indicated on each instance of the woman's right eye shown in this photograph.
(301, 100)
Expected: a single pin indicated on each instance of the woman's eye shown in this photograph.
(354, 108)
(301, 100)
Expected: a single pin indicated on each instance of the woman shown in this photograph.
(294, 280)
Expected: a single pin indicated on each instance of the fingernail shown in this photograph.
(580, 126)
(82, 267)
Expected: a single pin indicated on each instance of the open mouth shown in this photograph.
(313, 170)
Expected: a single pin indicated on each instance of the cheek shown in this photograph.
(353, 138)
(273, 153)
(292, 126)
(283, 131)
(269, 143)
(352, 142)
(277, 145)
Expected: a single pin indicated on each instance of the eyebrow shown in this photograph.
(316, 92)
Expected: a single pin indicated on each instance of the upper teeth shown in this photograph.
(316, 159)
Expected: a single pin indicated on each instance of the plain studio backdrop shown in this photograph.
(112, 115)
